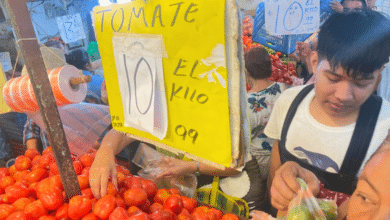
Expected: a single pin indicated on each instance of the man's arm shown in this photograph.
(181, 167)
(104, 165)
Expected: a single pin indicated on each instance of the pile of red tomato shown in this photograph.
(280, 72)
(31, 189)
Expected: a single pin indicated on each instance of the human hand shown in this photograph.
(336, 6)
(285, 185)
(260, 215)
(304, 50)
(101, 170)
(176, 167)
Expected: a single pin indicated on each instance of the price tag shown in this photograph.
(285, 17)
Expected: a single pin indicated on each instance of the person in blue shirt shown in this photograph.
(80, 59)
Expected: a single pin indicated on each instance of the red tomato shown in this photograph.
(31, 153)
(201, 209)
(36, 175)
(104, 206)
(229, 216)
(78, 167)
(155, 207)
(119, 214)
(46, 160)
(162, 215)
(132, 182)
(16, 192)
(133, 209)
(173, 203)
(87, 160)
(217, 212)
(200, 216)
(3, 199)
(22, 163)
(111, 189)
(86, 171)
(4, 172)
(56, 182)
(12, 170)
(212, 215)
(6, 210)
(62, 212)
(87, 193)
(139, 216)
(48, 150)
(146, 206)
(135, 197)
(7, 181)
(35, 209)
(120, 178)
(21, 203)
(20, 175)
(35, 160)
(184, 212)
(53, 169)
(79, 206)
(120, 202)
(150, 187)
(161, 196)
(19, 215)
(83, 181)
(47, 217)
(184, 217)
(174, 191)
(189, 203)
(51, 199)
(123, 169)
(90, 216)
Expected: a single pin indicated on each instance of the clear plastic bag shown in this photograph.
(153, 163)
(306, 206)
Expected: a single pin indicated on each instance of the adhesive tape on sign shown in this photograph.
(25, 97)
(62, 90)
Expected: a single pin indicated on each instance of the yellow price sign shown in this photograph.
(166, 75)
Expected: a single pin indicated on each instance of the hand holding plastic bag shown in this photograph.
(154, 163)
(304, 207)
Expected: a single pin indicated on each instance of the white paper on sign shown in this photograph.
(141, 82)
(71, 28)
(285, 17)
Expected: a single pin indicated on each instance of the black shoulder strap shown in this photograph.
(361, 137)
(290, 115)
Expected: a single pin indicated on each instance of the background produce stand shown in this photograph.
(29, 47)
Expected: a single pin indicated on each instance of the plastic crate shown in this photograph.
(283, 43)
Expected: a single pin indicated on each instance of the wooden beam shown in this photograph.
(29, 47)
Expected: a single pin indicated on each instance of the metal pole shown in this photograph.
(21, 22)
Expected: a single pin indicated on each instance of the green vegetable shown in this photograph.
(329, 208)
(299, 213)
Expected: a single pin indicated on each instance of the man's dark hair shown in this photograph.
(78, 58)
(258, 63)
(359, 42)
(362, 1)
(53, 43)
